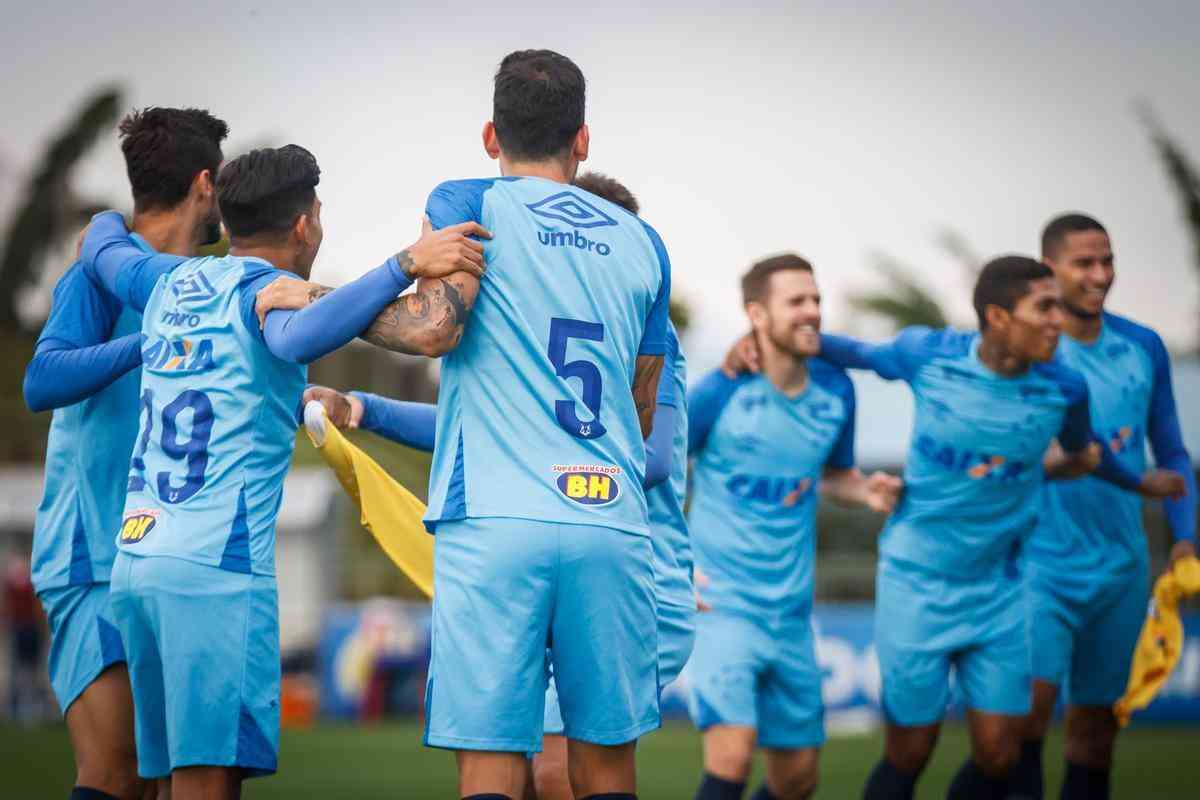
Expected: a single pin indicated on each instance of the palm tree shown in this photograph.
(50, 210)
(1180, 171)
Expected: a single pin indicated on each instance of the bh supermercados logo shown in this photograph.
(573, 210)
(589, 485)
(137, 524)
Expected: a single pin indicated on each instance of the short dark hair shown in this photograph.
(610, 189)
(265, 190)
(1056, 230)
(165, 148)
(754, 282)
(537, 105)
(1005, 280)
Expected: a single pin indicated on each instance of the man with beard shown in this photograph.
(1087, 566)
(84, 368)
(948, 591)
(763, 442)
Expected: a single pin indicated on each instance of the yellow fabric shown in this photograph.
(1161, 640)
(389, 511)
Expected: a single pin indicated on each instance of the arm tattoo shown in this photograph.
(427, 322)
(646, 373)
(317, 292)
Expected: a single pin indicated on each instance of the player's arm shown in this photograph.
(61, 374)
(891, 360)
(446, 263)
(652, 350)
(1076, 439)
(1166, 443)
(410, 424)
(113, 261)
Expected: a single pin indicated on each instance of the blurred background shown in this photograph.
(896, 145)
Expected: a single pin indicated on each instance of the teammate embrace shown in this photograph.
(563, 571)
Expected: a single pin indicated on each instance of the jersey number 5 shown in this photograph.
(562, 330)
(194, 450)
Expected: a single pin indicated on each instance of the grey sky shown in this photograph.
(831, 131)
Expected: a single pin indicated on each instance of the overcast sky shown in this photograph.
(834, 132)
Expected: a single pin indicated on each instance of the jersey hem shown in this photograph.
(637, 530)
(204, 562)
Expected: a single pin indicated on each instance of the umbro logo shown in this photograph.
(193, 288)
(573, 210)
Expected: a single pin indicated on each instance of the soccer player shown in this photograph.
(413, 424)
(193, 586)
(84, 368)
(763, 444)
(948, 589)
(1087, 566)
(536, 492)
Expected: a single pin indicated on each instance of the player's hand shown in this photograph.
(440, 253)
(742, 357)
(1059, 464)
(883, 491)
(700, 581)
(1184, 548)
(1159, 484)
(345, 411)
(286, 294)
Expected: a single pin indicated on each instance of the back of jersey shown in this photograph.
(218, 421)
(535, 415)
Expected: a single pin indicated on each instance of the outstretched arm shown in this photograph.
(113, 261)
(890, 360)
(878, 491)
(1166, 442)
(61, 374)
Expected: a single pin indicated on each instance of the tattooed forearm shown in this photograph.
(646, 373)
(428, 322)
(317, 292)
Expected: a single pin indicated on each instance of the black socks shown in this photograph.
(84, 793)
(714, 788)
(972, 784)
(1085, 783)
(1025, 782)
(888, 783)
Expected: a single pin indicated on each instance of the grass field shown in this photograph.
(388, 761)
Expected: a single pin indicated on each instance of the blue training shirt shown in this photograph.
(974, 466)
(88, 448)
(535, 415)
(1091, 529)
(759, 456)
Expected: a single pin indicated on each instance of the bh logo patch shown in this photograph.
(592, 485)
(137, 524)
(573, 210)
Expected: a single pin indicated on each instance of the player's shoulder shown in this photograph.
(1143, 336)
(459, 200)
(74, 282)
(830, 377)
(924, 342)
(1070, 380)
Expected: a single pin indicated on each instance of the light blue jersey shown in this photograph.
(974, 467)
(1090, 528)
(760, 455)
(218, 421)
(89, 444)
(668, 525)
(535, 417)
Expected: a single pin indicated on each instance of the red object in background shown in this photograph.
(20, 602)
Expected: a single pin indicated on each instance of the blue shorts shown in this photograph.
(84, 641)
(676, 635)
(744, 672)
(513, 597)
(925, 623)
(1086, 644)
(203, 647)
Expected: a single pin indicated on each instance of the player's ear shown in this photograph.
(583, 139)
(491, 143)
(203, 185)
(757, 314)
(997, 317)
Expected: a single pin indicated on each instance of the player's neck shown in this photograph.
(557, 171)
(786, 372)
(999, 360)
(167, 232)
(1081, 327)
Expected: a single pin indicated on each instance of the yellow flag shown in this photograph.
(1161, 640)
(389, 511)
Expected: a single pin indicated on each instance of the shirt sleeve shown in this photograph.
(654, 335)
(1166, 442)
(842, 455)
(1076, 434)
(453, 202)
(113, 261)
(660, 447)
(410, 424)
(317, 329)
(894, 360)
(60, 375)
(705, 404)
(81, 314)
